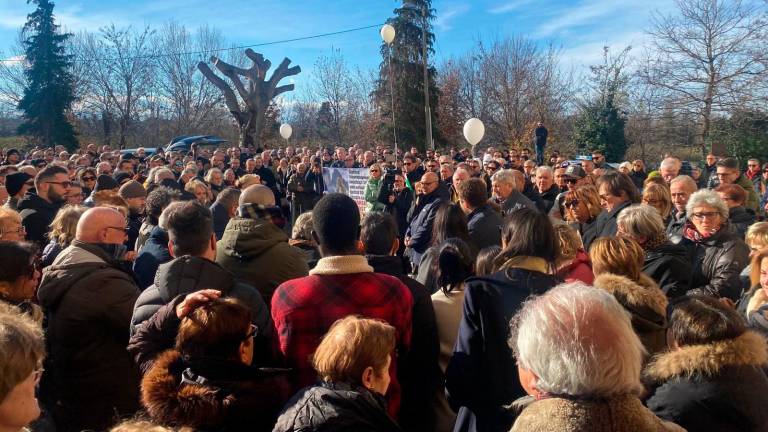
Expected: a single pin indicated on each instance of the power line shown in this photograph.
(154, 56)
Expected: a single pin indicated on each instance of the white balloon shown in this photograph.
(474, 130)
(286, 130)
(388, 33)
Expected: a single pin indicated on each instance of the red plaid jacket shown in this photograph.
(304, 309)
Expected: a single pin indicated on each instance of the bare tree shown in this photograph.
(190, 99)
(709, 58)
(256, 97)
(120, 75)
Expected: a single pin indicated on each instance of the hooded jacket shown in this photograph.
(580, 269)
(623, 413)
(153, 253)
(645, 302)
(187, 274)
(36, 217)
(258, 253)
(336, 407)
(212, 394)
(716, 263)
(668, 265)
(740, 218)
(713, 387)
(88, 300)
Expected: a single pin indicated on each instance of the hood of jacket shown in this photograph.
(158, 236)
(33, 201)
(188, 274)
(741, 214)
(71, 265)
(391, 265)
(249, 238)
(666, 249)
(635, 295)
(174, 392)
(749, 349)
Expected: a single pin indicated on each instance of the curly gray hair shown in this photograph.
(709, 198)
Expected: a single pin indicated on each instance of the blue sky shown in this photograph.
(581, 27)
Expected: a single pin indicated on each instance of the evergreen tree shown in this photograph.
(600, 123)
(408, 78)
(48, 95)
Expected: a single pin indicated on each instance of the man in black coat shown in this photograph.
(540, 141)
(88, 299)
(418, 371)
(484, 223)
(548, 191)
(193, 244)
(418, 238)
(38, 208)
(398, 204)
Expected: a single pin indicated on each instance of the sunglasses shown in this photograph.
(571, 180)
(89, 178)
(571, 204)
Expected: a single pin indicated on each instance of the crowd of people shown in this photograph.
(225, 289)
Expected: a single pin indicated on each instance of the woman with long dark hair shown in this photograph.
(450, 222)
(481, 378)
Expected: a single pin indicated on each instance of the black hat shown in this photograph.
(14, 182)
(575, 171)
(122, 177)
(105, 182)
(127, 156)
(12, 151)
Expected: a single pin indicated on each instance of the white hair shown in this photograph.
(545, 168)
(162, 221)
(709, 198)
(578, 341)
(690, 183)
(640, 220)
(627, 165)
(671, 163)
(505, 176)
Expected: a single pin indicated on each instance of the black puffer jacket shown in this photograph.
(187, 274)
(716, 263)
(668, 265)
(36, 217)
(714, 387)
(740, 218)
(335, 407)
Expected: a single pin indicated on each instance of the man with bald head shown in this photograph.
(255, 247)
(88, 299)
(418, 238)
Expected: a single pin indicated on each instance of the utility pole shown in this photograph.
(427, 110)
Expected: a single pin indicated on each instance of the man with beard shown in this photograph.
(136, 196)
(38, 208)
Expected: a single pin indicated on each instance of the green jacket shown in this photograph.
(753, 202)
(258, 253)
(372, 195)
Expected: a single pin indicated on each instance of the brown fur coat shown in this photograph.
(233, 396)
(647, 304)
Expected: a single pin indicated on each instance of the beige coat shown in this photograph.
(448, 313)
(619, 414)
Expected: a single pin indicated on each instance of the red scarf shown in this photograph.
(691, 233)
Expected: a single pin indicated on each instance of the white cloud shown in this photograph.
(509, 6)
(444, 17)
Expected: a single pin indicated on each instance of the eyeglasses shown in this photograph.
(705, 215)
(30, 183)
(123, 229)
(20, 230)
(64, 184)
(571, 204)
(491, 168)
(374, 170)
(407, 163)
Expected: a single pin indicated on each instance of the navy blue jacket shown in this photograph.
(481, 378)
(420, 229)
(152, 254)
(484, 226)
(220, 219)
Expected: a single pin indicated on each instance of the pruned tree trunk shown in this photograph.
(255, 93)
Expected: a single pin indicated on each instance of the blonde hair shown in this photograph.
(21, 348)
(659, 192)
(757, 233)
(756, 262)
(569, 241)
(351, 345)
(589, 196)
(248, 180)
(64, 225)
(617, 255)
(7, 216)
